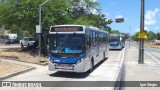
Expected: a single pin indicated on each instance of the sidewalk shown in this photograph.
(23, 67)
(21, 63)
(149, 71)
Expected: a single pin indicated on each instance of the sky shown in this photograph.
(130, 11)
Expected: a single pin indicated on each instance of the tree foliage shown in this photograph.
(158, 36)
(151, 35)
(115, 31)
(126, 35)
(135, 36)
(22, 15)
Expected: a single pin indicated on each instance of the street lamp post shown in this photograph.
(141, 40)
(40, 24)
(129, 35)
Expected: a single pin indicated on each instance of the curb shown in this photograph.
(121, 73)
(43, 64)
(17, 73)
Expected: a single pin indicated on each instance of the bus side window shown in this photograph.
(97, 38)
(104, 38)
(101, 38)
(89, 42)
(93, 38)
(91, 35)
(88, 39)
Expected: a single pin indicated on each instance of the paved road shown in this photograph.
(149, 71)
(153, 52)
(104, 71)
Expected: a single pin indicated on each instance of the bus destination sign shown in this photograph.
(66, 29)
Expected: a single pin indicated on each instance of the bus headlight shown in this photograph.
(79, 61)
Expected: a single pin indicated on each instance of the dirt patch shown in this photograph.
(9, 68)
(149, 44)
(17, 54)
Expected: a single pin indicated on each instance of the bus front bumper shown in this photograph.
(115, 47)
(79, 68)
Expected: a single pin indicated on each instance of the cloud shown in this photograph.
(150, 16)
(119, 16)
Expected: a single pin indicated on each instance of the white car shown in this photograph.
(27, 41)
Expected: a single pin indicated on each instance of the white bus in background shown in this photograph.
(76, 48)
(116, 41)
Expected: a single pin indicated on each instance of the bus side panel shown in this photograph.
(87, 63)
(51, 66)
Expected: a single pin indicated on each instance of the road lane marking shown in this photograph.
(153, 57)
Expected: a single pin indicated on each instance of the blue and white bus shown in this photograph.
(116, 41)
(76, 48)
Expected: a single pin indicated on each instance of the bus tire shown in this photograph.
(91, 65)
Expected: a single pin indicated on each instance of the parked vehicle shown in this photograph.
(27, 41)
(11, 39)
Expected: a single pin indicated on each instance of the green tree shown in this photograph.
(22, 15)
(126, 35)
(86, 12)
(158, 36)
(151, 35)
(135, 36)
(115, 31)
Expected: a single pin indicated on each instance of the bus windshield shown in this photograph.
(114, 38)
(66, 43)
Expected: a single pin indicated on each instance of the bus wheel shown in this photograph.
(91, 65)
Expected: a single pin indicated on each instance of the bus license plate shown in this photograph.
(63, 65)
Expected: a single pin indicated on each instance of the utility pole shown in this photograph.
(129, 35)
(141, 40)
(40, 25)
